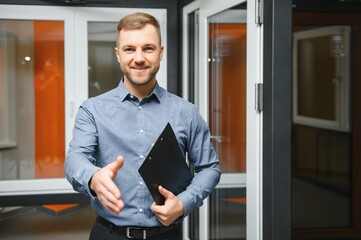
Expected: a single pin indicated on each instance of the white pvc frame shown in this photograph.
(76, 72)
(252, 180)
(342, 80)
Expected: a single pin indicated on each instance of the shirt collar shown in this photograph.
(157, 92)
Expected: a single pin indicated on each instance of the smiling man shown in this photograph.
(114, 132)
(139, 57)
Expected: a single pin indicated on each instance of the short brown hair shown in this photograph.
(136, 21)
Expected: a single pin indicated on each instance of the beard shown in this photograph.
(140, 79)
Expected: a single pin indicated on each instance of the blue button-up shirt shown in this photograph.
(117, 123)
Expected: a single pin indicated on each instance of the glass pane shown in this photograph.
(321, 76)
(103, 70)
(321, 158)
(227, 34)
(228, 214)
(32, 104)
(315, 65)
(227, 88)
(321, 178)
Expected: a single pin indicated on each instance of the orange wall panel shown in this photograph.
(49, 98)
(230, 74)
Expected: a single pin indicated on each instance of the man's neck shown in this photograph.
(140, 91)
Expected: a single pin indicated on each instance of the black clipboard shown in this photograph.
(165, 165)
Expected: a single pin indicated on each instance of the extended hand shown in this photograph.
(102, 183)
(171, 210)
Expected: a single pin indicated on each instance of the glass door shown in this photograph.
(323, 176)
(227, 53)
(227, 118)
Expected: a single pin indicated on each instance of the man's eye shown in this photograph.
(128, 50)
(149, 49)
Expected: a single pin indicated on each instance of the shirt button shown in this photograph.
(141, 130)
(141, 183)
(141, 156)
(140, 210)
(140, 107)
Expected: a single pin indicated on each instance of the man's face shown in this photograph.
(139, 54)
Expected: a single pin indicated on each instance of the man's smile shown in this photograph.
(139, 68)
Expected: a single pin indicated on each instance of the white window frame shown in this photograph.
(252, 180)
(7, 102)
(342, 122)
(76, 70)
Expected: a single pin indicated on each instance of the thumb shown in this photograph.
(167, 194)
(116, 165)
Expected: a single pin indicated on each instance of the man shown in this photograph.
(114, 132)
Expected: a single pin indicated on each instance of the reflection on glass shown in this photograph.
(321, 77)
(32, 110)
(315, 63)
(321, 178)
(321, 152)
(228, 214)
(227, 34)
(227, 93)
(103, 70)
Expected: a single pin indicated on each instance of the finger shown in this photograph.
(167, 194)
(156, 209)
(116, 208)
(116, 165)
(113, 189)
(112, 192)
(108, 190)
(111, 201)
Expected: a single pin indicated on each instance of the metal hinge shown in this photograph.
(259, 97)
(259, 12)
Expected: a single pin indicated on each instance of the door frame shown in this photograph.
(277, 99)
(251, 180)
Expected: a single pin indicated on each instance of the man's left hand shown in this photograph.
(171, 210)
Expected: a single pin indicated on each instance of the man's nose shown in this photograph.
(139, 56)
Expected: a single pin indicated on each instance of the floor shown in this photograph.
(42, 224)
(330, 209)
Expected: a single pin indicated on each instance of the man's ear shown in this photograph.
(116, 50)
(161, 52)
